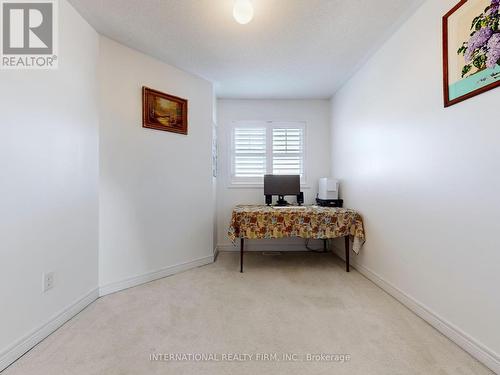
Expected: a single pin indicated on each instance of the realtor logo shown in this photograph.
(29, 38)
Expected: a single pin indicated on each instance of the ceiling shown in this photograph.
(291, 49)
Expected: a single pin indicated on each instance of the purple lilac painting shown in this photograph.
(471, 33)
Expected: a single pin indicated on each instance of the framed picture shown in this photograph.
(471, 49)
(214, 150)
(161, 111)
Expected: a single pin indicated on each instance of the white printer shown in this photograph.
(328, 193)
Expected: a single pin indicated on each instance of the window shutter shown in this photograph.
(288, 150)
(249, 152)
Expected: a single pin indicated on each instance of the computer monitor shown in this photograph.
(281, 185)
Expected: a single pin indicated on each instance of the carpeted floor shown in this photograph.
(298, 304)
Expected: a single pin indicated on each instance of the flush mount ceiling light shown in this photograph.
(243, 11)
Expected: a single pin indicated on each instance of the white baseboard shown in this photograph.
(294, 244)
(153, 275)
(23, 345)
(227, 247)
(476, 349)
(479, 351)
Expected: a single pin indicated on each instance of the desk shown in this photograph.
(262, 222)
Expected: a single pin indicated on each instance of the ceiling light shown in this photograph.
(243, 11)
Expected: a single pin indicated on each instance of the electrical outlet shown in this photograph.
(48, 281)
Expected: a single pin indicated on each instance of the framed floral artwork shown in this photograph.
(471, 49)
(162, 111)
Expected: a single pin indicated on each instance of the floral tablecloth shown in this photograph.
(259, 222)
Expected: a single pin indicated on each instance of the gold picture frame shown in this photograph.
(165, 112)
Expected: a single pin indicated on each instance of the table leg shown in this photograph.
(324, 245)
(242, 244)
(347, 252)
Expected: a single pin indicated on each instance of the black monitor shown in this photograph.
(282, 185)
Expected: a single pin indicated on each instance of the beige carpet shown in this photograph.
(296, 303)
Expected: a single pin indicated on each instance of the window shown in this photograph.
(259, 148)
(250, 155)
(288, 149)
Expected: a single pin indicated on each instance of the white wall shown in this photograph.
(316, 113)
(48, 188)
(156, 192)
(425, 178)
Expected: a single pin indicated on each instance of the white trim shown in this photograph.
(455, 334)
(19, 348)
(153, 275)
(257, 247)
(286, 244)
(479, 351)
(257, 185)
(244, 185)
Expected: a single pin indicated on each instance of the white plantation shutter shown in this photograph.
(266, 147)
(249, 152)
(288, 150)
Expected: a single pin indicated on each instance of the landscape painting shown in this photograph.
(162, 111)
(471, 49)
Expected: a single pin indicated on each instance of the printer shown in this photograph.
(328, 193)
